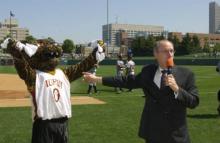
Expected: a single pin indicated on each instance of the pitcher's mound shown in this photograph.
(11, 86)
(26, 102)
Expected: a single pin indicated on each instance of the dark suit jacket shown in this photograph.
(164, 117)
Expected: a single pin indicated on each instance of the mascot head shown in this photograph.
(47, 55)
(41, 55)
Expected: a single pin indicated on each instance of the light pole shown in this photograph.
(10, 25)
(10, 32)
(108, 36)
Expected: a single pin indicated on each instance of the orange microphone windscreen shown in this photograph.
(170, 62)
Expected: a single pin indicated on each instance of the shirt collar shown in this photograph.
(161, 69)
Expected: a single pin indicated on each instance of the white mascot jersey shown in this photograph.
(52, 95)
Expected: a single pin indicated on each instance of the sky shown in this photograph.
(82, 20)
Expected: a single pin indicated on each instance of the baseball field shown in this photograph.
(105, 117)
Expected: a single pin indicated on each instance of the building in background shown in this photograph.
(121, 35)
(214, 18)
(131, 30)
(16, 32)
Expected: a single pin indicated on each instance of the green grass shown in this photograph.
(118, 120)
(7, 69)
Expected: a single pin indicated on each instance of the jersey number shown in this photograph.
(56, 94)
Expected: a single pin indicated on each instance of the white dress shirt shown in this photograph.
(157, 79)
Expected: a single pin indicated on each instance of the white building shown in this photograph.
(16, 32)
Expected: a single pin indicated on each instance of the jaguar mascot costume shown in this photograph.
(36, 64)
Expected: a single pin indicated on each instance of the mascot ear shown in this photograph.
(29, 49)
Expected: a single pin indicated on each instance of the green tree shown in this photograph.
(138, 46)
(176, 44)
(216, 48)
(150, 44)
(51, 40)
(190, 45)
(186, 44)
(206, 47)
(68, 46)
(142, 46)
(30, 39)
(161, 37)
(195, 45)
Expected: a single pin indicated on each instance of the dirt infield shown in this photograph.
(13, 93)
(25, 102)
(11, 86)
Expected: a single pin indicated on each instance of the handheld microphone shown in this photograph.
(170, 65)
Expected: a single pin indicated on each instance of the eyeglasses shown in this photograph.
(51, 55)
(171, 51)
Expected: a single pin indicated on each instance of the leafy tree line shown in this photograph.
(142, 46)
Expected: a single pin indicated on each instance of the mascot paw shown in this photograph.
(98, 50)
(5, 43)
(20, 46)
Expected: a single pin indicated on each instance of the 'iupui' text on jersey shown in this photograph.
(52, 95)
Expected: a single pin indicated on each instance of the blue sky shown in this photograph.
(82, 20)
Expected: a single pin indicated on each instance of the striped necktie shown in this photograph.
(162, 81)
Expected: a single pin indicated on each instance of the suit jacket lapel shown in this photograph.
(176, 75)
(174, 70)
(150, 77)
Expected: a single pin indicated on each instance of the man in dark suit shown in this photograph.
(167, 96)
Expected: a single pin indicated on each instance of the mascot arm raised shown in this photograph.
(20, 58)
(75, 71)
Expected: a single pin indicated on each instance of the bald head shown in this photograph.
(163, 51)
(162, 43)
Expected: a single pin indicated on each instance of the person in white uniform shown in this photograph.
(93, 85)
(130, 69)
(120, 66)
